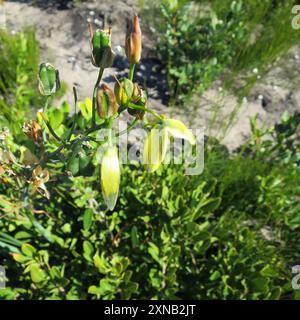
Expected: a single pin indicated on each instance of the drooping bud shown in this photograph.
(102, 53)
(33, 131)
(106, 102)
(133, 42)
(155, 148)
(123, 91)
(110, 176)
(178, 130)
(48, 79)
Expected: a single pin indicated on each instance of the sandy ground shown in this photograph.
(64, 40)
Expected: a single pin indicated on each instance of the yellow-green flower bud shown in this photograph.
(106, 102)
(155, 148)
(110, 176)
(48, 79)
(178, 130)
(157, 142)
(102, 54)
(123, 91)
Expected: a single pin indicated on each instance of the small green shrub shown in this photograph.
(18, 67)
(170, 235)
(201, 41)
(230, 233)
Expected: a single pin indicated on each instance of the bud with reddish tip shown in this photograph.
(133, 42)
(106, 102)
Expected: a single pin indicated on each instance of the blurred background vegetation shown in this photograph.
(229, 233)
(201, 40)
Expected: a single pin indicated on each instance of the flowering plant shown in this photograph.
(76, 143)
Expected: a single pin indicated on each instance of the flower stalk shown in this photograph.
(100, 74)
(131, 71)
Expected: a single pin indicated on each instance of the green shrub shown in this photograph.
(200, 41)
(170, 235)
(230, 233)
(18, 68)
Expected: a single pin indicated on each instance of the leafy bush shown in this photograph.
(230, 233)
(201, 40)
(18, 64)
(170, 235)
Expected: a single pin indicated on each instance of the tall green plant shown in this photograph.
(18, 67)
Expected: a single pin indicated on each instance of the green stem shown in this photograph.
(45, 109)
(131, 71)
(95, 95)
(130, 127)
(91, 130)
(52, 131)
(134, 106)
(51, 155)
(75, 115)
(109, 127)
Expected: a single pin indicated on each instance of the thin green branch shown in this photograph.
(52, 131)
(75, 115)
(94, 97)
(131, 72)
(45, 108)
(134, 106)
(130, 127)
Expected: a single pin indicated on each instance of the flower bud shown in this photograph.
(102, 53)
(110, 176)
(48, 79)
(133, 42)
(178, 130)
(123, 91)
(155, 148)
(106, 102)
